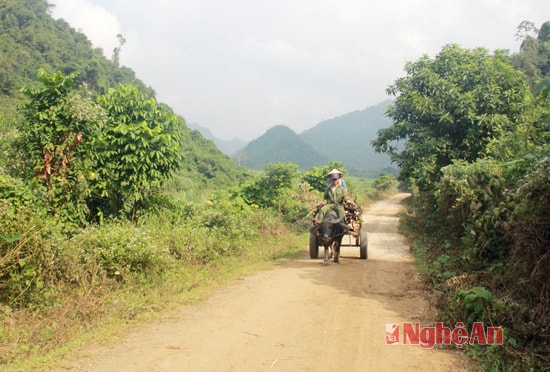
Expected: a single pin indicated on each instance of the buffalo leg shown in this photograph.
(336, 252)
(327, 255)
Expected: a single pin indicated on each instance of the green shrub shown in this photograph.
(14, 191)
(385, 182)
(31, 245)
(121, 249)
(492, 266)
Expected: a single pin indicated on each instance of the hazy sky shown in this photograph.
(240, 67)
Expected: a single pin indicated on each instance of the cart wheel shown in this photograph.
(313, 247)
(363, 245)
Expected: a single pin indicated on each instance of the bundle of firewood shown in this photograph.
(352, 209)
(354, 212)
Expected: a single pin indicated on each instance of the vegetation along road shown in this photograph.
(298, 317)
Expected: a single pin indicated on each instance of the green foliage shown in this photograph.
(42, 258)
(534, 56)
(138, 149)
(469, 196)
(385, 182)
(475, 301)
(493, 217)
(275, 189)
(56, 140)
(528, 227)
(478, 202)
(265, 191)
(8, 117)
(30, 247)
(316, 177)
(14, 191)
(120, 250)
(31, 39)
(93, 161)
(449, 108)
(476, 151)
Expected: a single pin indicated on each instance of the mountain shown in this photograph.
(279, 144)
(229, 148)
(347, 138)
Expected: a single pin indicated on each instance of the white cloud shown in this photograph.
(100, 26)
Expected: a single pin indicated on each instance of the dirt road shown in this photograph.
(298, 317)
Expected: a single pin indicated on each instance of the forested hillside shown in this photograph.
(31, 39)
(476, 132)
(348, 138)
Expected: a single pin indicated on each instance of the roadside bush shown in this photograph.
(470, 197)
(202, 230)
(385, 182)
(122, 249)
(32, 254)
(14, 191)
(529, 232)
(493, 263)
(276, 189)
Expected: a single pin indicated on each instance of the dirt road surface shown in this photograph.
(300, 316)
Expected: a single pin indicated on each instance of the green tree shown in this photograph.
(534, 55)
(451, 107)
(55, 142)
(534, 60)
(271, 188)
(138, 149)
(385, 182)
(317, 176)
(118, 49)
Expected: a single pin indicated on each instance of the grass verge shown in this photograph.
(44, 340)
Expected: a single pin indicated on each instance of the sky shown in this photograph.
(241, 67)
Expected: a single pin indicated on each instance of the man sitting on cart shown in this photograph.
(334, 196)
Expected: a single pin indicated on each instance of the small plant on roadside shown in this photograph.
(476, 304)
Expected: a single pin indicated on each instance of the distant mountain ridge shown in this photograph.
(230, 148)
(279, 144)
(346, 138)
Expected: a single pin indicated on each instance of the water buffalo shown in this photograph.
(329, 232)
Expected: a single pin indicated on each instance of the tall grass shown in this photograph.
(59, 289)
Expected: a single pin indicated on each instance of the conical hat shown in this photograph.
(335, 171)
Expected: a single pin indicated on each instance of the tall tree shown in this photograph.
(139, 148)
(118, 49)
(56, 138)
(451, 107)
(534, 55)
(270, 189)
